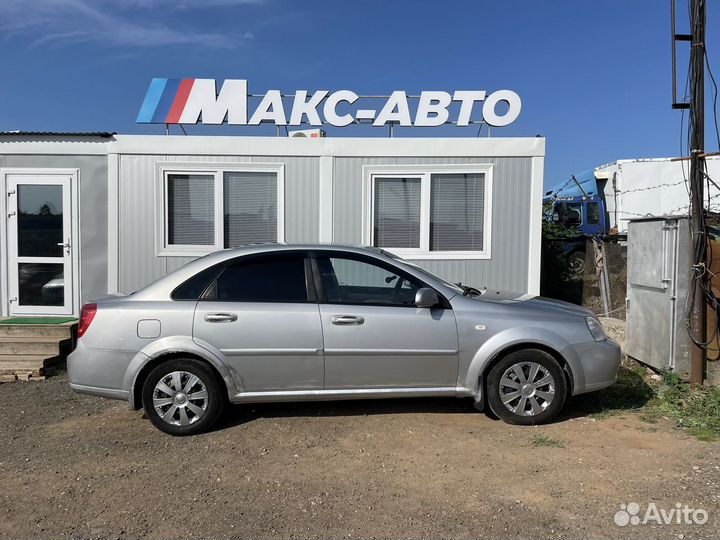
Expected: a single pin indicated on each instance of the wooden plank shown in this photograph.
(21, 366)
(22, 375)
(27, 330)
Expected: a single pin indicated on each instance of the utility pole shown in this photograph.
(698, 243)
(698, 316)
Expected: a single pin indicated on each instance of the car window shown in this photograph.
(193, 288)
(429, 274)
(593, 213)
(266, 278)
(348, 280)
(574, 215)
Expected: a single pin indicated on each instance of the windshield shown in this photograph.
(425, 272)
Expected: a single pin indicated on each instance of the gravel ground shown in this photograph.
(79, 466)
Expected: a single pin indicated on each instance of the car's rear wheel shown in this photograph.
(526, 387)
(183, 397)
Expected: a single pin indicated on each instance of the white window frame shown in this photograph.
(216, 170)
(425, 172)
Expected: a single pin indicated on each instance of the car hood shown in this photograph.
(531, 301)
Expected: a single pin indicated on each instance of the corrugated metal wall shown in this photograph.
(302, 196)
(138, 262)
(508, 267)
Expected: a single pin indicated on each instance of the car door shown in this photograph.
(374, 335)
(261, 316)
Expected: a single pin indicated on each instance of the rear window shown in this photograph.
(267, 278)
(193, 288)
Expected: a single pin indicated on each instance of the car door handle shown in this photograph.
(221, 317)
(347, 320)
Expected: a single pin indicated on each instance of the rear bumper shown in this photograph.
(600, 361)
(102, 392)
(99, 372)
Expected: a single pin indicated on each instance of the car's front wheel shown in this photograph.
(183, 397)
(526, 387)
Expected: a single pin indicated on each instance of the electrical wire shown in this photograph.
(647, 188)
(701, 278)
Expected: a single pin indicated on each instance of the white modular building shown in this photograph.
(91, 214)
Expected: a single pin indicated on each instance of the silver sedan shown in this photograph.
(293, 323)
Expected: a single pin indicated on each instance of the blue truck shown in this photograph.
(585, 213)
(578, 206)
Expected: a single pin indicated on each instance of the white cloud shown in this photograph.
(111, 23)
(190, 4)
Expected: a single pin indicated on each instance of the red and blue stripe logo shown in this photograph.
(165, 101)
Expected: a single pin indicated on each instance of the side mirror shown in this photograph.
(426, 298)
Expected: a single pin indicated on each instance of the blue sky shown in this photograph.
(594, 76)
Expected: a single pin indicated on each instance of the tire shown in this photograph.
(576, 263)
(542, 402)
(196, 408)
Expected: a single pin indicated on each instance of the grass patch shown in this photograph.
(704, 434)
(541, 440)
(630, 393)
(695, 410)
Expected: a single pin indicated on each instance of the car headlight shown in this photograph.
(596, 329)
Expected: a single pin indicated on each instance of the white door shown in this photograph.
(40, 249)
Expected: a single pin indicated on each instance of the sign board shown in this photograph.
(189, 101)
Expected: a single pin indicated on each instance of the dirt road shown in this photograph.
(78, 466)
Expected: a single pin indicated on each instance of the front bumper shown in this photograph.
(599, 361)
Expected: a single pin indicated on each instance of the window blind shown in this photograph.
(191, 209)
(457, 212)
(250, 207)
(397, 212)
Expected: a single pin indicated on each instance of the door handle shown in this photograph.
(66, 245)
(347, 320)
(221, 317)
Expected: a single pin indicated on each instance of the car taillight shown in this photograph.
(87, 314)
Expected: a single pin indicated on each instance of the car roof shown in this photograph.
(278, 246)
(167, 283)
(269, 247)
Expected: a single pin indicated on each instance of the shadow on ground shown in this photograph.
(630, 393)
(243, 413)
